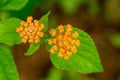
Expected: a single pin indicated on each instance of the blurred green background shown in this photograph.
(99, 18)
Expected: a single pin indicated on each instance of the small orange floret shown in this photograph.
(53, 49)
(29, 19)
(60, 55)
(60, 28)
(75, 35)
(50, 41)
(73, 49)
(41, 34)
(69, 27)
(64, 42)
(52, 32)
(77, 42)
(19, 29)
(30, 31)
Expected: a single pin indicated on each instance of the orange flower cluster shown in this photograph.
(64, 41)
(30, 31)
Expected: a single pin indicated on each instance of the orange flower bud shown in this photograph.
(69, 27)
(77, 42)
(61, 50)
(60, 28)
(60, 55)
(75, 35)
(54, 41)
(66, 57)
(50, 41)
(69, 53)
(29, 19)
(54, 47)
(36, 40)
(41, 34)
(24, 40)
(30, 40)
(52, 32)
(52, 51)
(22, 33)
(73, 49)
(22, 23)
(42, 26)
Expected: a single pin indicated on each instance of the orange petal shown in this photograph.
(65, 42)
(54, 47)
(30, 40)
(52, 32)
(29, 19)
(54, 41)
(22, 33)
(69, 53)
(24, 40)
(36, 37)
(36, 40)
(60, 28)
(69, 27)
(52, 51)
(77, 42)
(42, 26)
(61, 50)
(36, 23)
(66, 57)
(75, 35)
(25, 37)
(22, 23)
(73, 49)
(41, 34)
(60, 55)
(60, 44)
(68, 33)
(17, 30)
(59, 36)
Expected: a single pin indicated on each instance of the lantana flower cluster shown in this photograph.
(64, 41)
(30, 31)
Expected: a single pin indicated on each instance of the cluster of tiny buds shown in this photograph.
(64, 41)
(30, 31)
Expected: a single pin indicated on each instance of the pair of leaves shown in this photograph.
(12, 4)
(8, 70)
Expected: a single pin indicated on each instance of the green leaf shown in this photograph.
(8, 34)
(86, 60)
(8, 69)
(44, 20)
(32, 49)
(13, 4)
